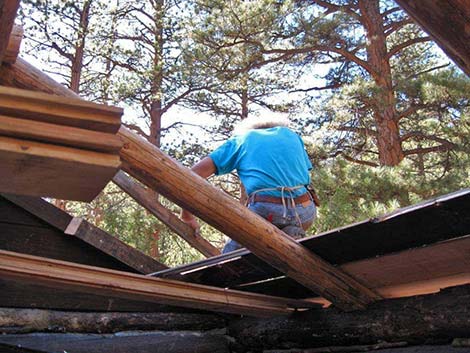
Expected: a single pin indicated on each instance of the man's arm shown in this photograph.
(204, 168)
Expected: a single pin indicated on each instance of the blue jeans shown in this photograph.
(273, 212)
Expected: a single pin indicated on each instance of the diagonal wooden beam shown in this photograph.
(88, 279)
(8, 9)
(143, 198)
(448, 23)
(152, 167)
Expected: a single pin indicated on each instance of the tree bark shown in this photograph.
(442, 316)
(385, 113)
(14, 320)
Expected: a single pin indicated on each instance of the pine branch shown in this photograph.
(399, 47)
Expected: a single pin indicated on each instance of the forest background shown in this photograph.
(385, 116)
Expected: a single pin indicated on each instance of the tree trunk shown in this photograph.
(77, 63)
(384, 105)
(442, 316)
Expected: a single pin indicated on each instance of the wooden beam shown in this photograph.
(166, 176)
(447, 22)
(23, 75)
(8, 9)
(49, 108)
(423, 319)
(16, 320)
(54, 273)
(14, 43)
(59, 134)
(88, 233)
(143, 198)
(152, 167)
(37, 169)
(112, 246)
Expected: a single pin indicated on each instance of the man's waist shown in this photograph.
(280, 200)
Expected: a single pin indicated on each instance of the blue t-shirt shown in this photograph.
(265, 158)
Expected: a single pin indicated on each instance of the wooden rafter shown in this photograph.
(143, 198)
(448, 23)
(8, 9)
(88, 279)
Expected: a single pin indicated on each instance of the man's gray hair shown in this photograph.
(253, 122)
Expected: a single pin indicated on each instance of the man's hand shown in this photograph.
(190, 220)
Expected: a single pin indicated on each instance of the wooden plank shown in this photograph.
(22, 294)
(152, 167)
(125, 285)
(37, 169)
(116, 248)
(416, 271)
(41, 209)
(59, 110)
(143, 198)
(8, 9)
(86, 234)
(60, 135)
(14, 43)
(447, 22)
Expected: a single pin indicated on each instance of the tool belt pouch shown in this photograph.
(314, 195)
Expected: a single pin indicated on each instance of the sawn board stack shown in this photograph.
(54, 146)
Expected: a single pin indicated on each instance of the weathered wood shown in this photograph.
(8, 9)
(78, 232)
(38, 169)
(114, 247)
(59, 110)
(41, 209)
(443, 316)
(13, 320)
(142, 342)
(23, 75)
(60, 135)
(448, 23)
(152, 167)
(89, 279)
(145, 199)
(14, 43)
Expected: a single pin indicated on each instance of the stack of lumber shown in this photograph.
(54, 146)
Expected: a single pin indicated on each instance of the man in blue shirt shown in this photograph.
(274, 169)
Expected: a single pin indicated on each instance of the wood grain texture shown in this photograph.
(37, 169)
(161, 173)
(60, 135)
(8, 9)
(143, 198)
(14, 44)
(59, 110)
(54, 273)
(447, 22)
